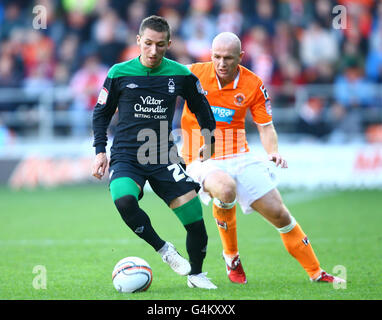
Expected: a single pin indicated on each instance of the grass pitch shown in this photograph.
(75, 236)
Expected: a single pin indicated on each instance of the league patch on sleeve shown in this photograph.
(268, 107)
(103, 96)
(200, 88)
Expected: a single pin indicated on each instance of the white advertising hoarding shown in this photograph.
(310, 166)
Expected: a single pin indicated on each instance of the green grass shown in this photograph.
(78, 236)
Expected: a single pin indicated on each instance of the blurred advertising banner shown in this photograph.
(35, 171)
(331, 166)
(310, 166)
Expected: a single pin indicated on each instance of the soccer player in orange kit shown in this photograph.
(234, 173)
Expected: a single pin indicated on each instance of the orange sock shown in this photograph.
(297, 244)
(226, 223)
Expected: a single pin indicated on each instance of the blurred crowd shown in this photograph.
(289, 43)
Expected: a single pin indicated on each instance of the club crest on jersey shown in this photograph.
(103, 96)
(238, 99)
(171, 85)
(305, 241)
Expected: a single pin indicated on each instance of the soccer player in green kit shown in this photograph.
(144, 90)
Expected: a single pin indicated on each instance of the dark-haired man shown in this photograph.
(145, 90)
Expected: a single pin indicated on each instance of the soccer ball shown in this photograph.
(132, 274)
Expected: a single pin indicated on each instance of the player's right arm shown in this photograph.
(102, 114)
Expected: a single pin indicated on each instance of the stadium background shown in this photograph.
(324, 80)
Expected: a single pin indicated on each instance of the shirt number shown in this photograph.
(178, 171)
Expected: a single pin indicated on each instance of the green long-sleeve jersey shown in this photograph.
(146, 100)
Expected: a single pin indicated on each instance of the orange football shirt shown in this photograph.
(229, 106)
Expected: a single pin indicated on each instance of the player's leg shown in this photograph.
(179, 191)
(126, 183)
(222, 188)
(188, 209)
(125, 192)
(272, 208)
(224, 210)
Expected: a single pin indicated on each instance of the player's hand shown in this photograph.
(99, 165)
(278, 160)
(206, 151)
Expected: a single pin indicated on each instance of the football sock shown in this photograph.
(138, 221)
(163, 250)
(189, 212)
(191, 216)
(196, 244)
(225, 217)
(297, 244)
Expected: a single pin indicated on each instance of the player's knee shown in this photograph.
(127, 206)
(220, 185)
(226, 191)
(281, 216)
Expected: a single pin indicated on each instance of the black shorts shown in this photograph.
(167, 181)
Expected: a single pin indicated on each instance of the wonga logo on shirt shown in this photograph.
(223, 114)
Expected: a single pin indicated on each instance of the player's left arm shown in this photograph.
(269, 140)
(261, 111)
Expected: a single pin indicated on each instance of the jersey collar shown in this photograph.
(235, 82)
(147, 69)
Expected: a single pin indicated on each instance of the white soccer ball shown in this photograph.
(132, 274)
